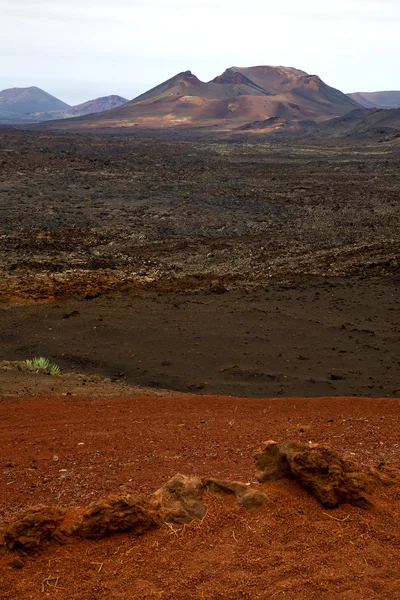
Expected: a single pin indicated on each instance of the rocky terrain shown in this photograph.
(201, 296)
(87, 459)
(281, 227)
(87, 208)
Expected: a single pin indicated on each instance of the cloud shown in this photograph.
(347, 42)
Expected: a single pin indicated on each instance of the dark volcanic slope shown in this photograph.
(362, 122)
(17, 101)
(237, 97)
(390, 99)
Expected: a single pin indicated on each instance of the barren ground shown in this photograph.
(108, 246)
(70, 450)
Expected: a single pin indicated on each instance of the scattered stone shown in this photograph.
(74, 313)
(31, 528)
(216, 287)
(117, 513)
(178, 500)
(336, 375)
(304, 428)
(225, 487)
(321, 471)
(252, 499)
(271, 463)
(17, 563)
(385, 474)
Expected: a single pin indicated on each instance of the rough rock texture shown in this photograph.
(385, 474)
(321, 470)
(179, 500)
(117, 513)
(245, 496)
(30, 529)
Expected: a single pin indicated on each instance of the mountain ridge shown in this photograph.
(65, 112)
(30, 99)
(385, 99)
(238, 96)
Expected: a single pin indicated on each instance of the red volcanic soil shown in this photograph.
(70, 450)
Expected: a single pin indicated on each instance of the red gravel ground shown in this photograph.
(71, 450)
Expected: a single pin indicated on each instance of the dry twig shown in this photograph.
(173, 531)
(335, 518)
(47, 581)
(100, 565)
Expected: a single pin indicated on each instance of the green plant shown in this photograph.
(44, 364)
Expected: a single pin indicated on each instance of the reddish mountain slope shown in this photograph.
(237, 97)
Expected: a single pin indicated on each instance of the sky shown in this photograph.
(82, 49)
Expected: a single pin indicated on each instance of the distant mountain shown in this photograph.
(66, 112)
(389, 99)
(237, 97)
(87, 108)
(18, 101)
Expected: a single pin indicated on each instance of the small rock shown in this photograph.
(252, 499)
(17, 563)
(304, 428)
(335, 375)
(216, 287)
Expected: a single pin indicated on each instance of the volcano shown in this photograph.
(235, 98)
(18, 101)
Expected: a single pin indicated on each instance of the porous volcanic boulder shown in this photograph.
(329, 478)
(385, 474)
(117, 513)
(178, 500)
(28, 530)
(245, 496)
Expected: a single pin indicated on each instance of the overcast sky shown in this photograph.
(81, 49)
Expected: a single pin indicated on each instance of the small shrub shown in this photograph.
(43, 364)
